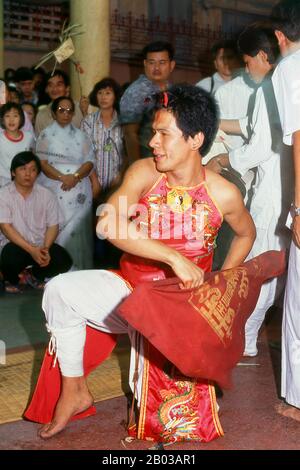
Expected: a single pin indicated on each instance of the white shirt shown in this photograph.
(8, 149)
(206, 83)
(233, 100)
(286, 81)
(265, 152)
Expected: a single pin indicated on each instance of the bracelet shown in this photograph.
(77, 175)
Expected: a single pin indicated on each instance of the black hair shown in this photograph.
(58, 73)
(259, 37)
(22, 158)
(38, 70)
(7, 107)
(158, 46)
(223, 44)
(104, 83)
(34, 107)
(9, 74)
(12, 89)
(286, 18)
(194, 110)
(23, 74)
(56, 102)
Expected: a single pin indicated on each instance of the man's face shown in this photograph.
(224, 62)
(158, 67)
(56, 87)
(257, 67)
(26, 175)
(26, 87)
(170, 149)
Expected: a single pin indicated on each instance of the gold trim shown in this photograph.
(144, 397)
(215, 415)
(185, 187)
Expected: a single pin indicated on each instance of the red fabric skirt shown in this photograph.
(174, 408)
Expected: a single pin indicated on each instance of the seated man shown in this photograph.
(168, 210)
(29, 221)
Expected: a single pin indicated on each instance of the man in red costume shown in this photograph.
(167, 210)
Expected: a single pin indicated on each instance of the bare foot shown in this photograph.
(68, 405)
(288, 411)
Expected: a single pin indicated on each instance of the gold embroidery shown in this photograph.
(213, 305)
(179, 200)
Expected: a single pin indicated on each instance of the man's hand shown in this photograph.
(188, 272)
(296, 230)
(218, 163)
(40, 255)
(68, 182)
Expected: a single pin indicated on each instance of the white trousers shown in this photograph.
(79, 298)
(290, 372)
(268, 294)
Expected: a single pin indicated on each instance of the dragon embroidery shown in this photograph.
(178, 413)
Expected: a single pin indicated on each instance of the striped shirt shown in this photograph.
(30, 216)
(108, 147)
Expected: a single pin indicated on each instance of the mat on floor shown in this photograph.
(18, 377)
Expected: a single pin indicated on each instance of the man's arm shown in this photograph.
(50, 236)
(232, 207)
(296, 158)
(231, 126)
(125, 234)
(239, 219)
(131, 137)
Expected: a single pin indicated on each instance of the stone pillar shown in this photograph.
(92, 49)
(1, 41)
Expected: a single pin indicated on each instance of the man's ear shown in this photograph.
(263, 55)
(281, 38)
(197, 141)
(68, 91)
(173, 63)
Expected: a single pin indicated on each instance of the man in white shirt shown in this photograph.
(226, 60)
(264, 151)
(286, 81)
(29, 222)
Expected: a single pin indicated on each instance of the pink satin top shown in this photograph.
(184, 218)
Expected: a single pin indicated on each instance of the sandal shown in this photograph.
(29, 279)
(12, 289)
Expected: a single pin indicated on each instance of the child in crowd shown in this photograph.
(13, 140)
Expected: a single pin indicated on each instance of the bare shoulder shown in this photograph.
(142, 173)
(226, 194)
(138, 179)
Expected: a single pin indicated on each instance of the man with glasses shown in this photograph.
(136, 107)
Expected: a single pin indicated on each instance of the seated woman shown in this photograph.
(67, 160)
